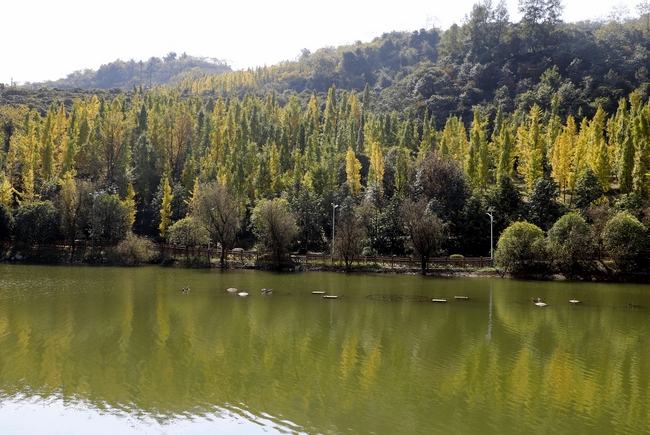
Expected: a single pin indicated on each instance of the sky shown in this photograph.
(48, 39)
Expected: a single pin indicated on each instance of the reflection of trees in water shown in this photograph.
(354, 363)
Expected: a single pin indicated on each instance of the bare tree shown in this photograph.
(350, 234)
(220, 213)
(275, 227)
(425, 230)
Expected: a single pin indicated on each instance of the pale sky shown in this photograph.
(47, 39)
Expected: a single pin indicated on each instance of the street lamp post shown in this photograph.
(491, 235)
(334, 207)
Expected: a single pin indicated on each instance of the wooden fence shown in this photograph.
(241, 257)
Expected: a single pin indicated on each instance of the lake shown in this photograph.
(123, 350)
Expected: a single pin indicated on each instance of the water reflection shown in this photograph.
(17, 415)
(124, 349)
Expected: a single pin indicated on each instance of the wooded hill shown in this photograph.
(486, 61)
(126, 75)
(420, 133)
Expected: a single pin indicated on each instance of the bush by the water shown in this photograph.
(135, 250)
(188, 232)
(521, 248)
(36, 222)
(570, 243)
(625, 240)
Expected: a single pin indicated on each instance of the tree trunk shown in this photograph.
(222, 258)
(423, 264)
(72, 249)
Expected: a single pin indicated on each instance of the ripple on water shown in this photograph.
(123, 349)
(81, 417)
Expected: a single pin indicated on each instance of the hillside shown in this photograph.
(128, 74)
(530, 119)
(487, 61)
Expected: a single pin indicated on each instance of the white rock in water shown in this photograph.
(232, 290)
(242, 294)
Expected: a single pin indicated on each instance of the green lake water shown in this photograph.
(87, 350)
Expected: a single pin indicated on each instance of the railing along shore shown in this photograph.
(243, 258)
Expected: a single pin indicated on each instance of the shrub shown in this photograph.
(135, 250)
(570, 243)
(188, 232)
(456, 257)
(624, 239)
(521, 248)
(36, 222)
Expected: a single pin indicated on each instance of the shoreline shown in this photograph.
(104, 258)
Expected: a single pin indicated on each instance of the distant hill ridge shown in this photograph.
(127, 74)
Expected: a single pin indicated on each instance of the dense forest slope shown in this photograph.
(415, 135)
(487, 61)
(127, 75)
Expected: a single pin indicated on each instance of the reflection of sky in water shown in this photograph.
(37, 415)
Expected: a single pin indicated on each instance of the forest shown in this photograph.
(125, 75)
(410, 139)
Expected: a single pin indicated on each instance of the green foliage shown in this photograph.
(625, 239)
(521, 249)
(570, 243)
(188, 232)
(506, 203)
(69, 204)
(165, 207)
(309, 212)
(479, 116)
(36, 223)
(543, 208)
(127, 75)
(442, 182)
(109, 218)
(472, 232)
(488, 61)
(389, 236)
(588, 189)
(219, 212)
